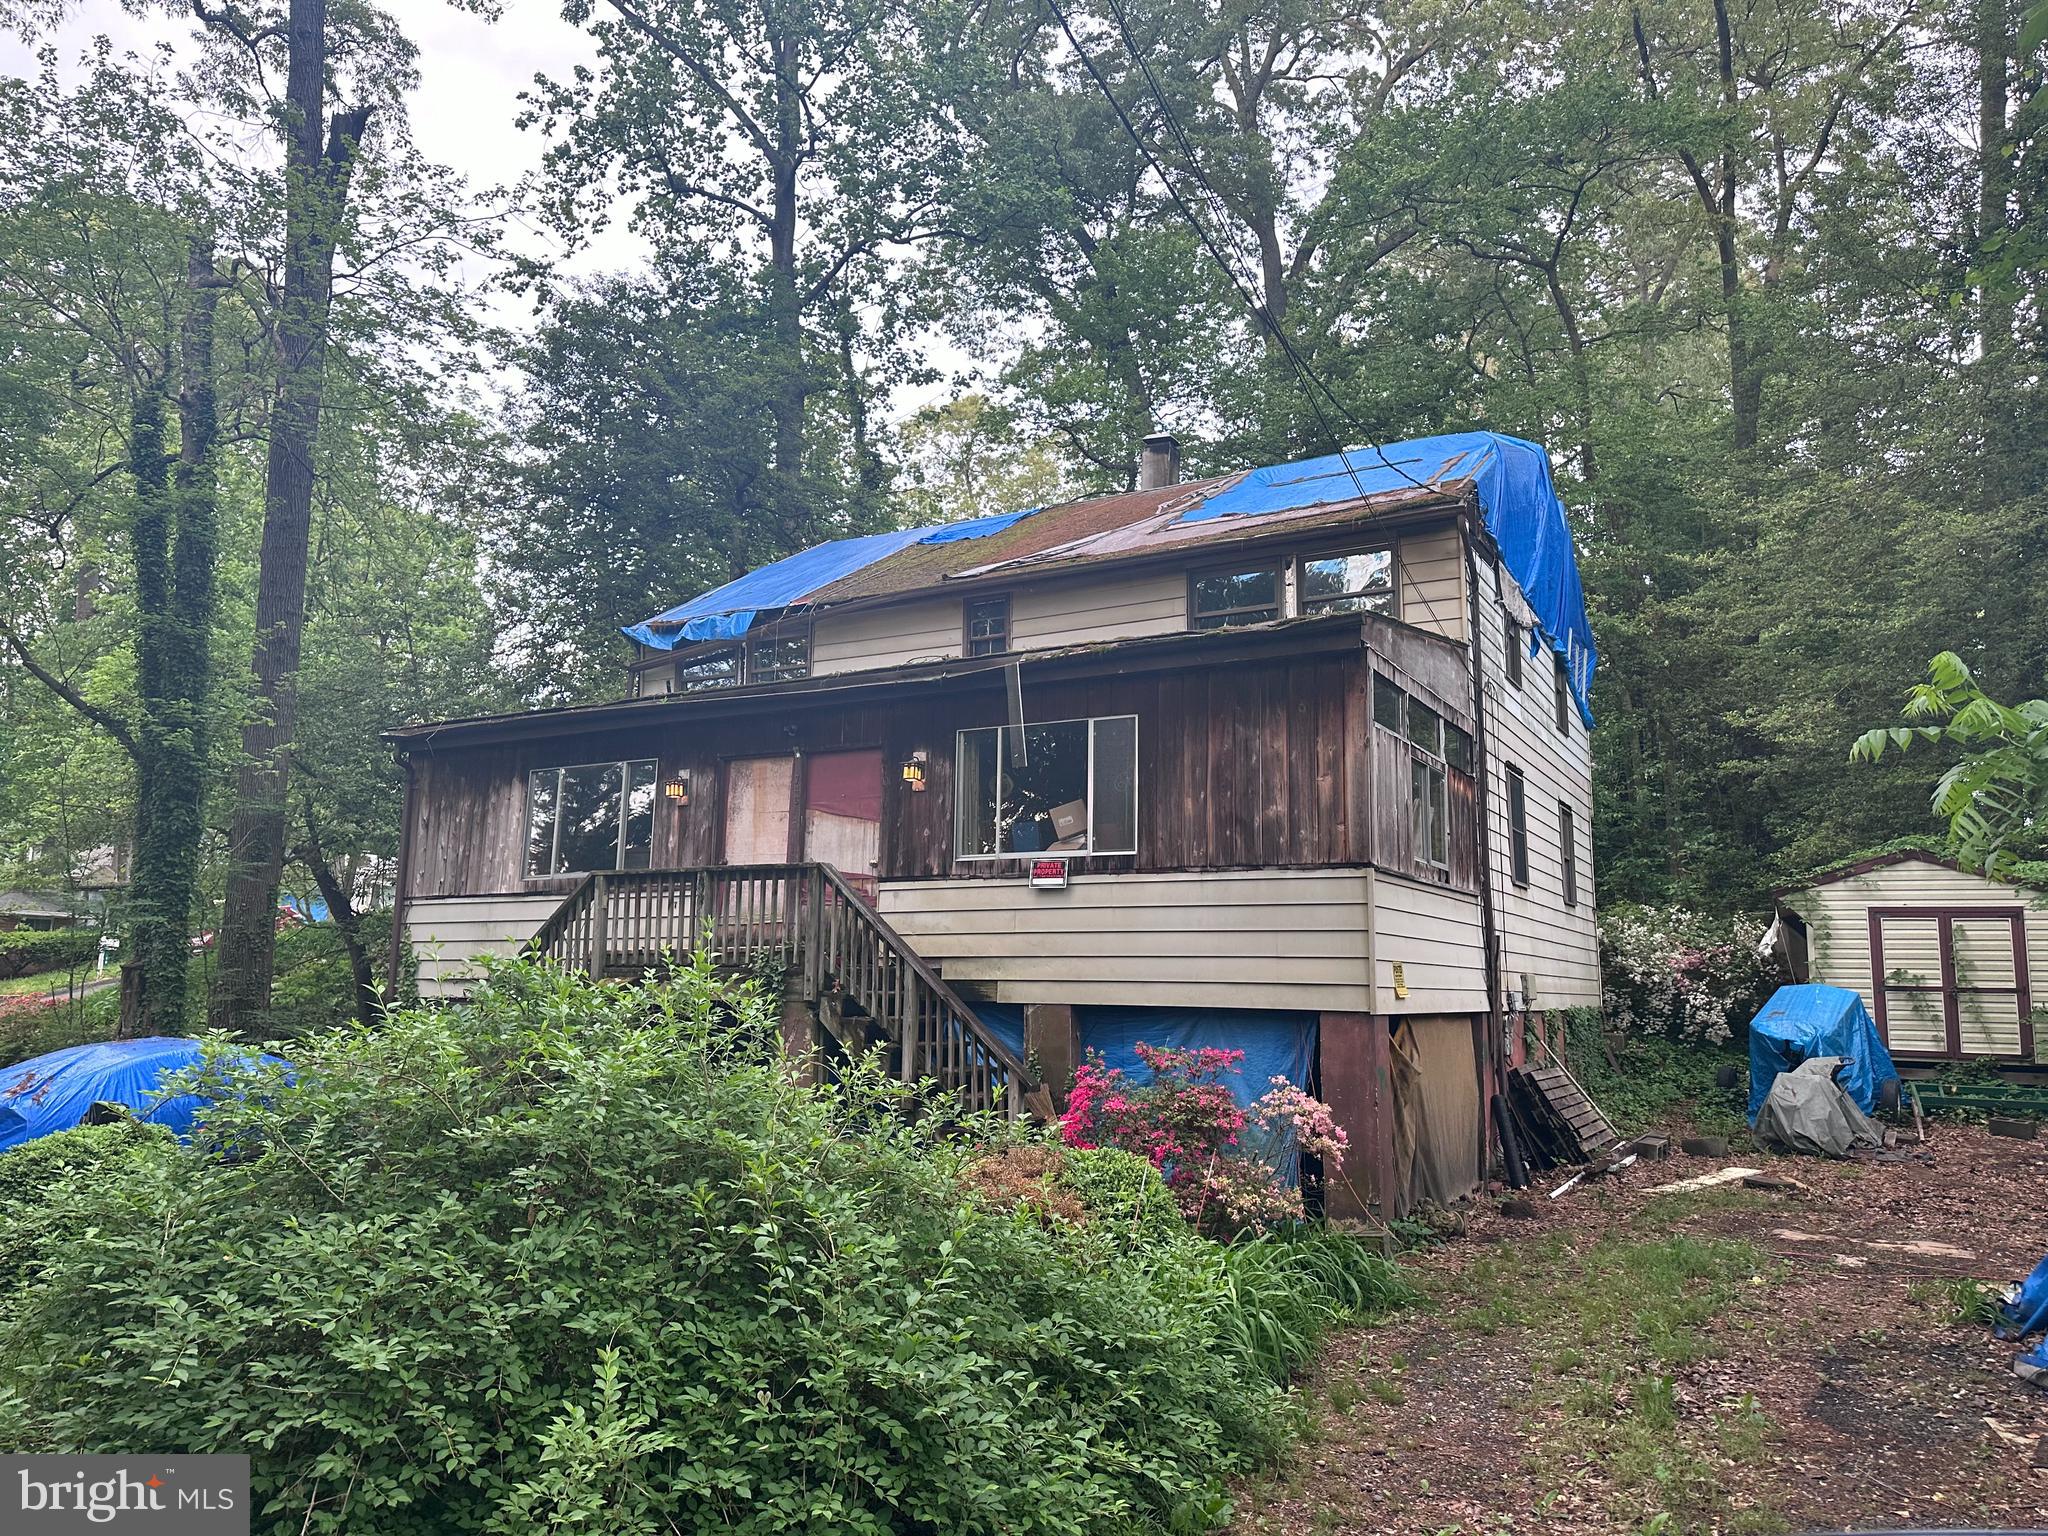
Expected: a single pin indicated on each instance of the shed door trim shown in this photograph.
(1951, 990)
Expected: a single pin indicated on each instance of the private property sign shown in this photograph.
(1048, 874)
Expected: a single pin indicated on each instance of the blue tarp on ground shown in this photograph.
(1516, 496)
(53, 1092)
(1799, 1023)
(2028, 1311)
(726, 613)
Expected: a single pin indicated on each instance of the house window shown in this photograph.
(1353, 583)
(1220, 599)
(708, 669)
(1561, 694)
(1439, 746)
(590, 816)
(1426, 812)
(1568, 844)
(1066, 786)
(1518, 826)
(1387, 705)
(1511, 634)
(988, 626)
(777, 658)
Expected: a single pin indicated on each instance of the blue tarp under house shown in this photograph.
(1799, 1023)
(1517, 498)
(53, 1092)
(727, 612)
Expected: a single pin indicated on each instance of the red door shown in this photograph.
(843, 814)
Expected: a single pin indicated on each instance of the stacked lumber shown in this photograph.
(1555, 1121)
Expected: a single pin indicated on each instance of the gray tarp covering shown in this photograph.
(1808, 1111)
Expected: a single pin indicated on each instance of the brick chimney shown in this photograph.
(1159, 462)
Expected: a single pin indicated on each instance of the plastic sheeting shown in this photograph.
(727, 612)
(1516, 496)
(1276, 1043)
(1808, 1111)
(53, 1092)
(2027, 1312)
(1813, 1020)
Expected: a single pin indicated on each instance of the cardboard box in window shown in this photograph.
(1070, 827)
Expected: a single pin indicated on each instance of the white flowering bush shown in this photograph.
(1682, 974)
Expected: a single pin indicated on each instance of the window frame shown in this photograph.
(779, 636)
(1568, 850)
(1002, 734)
(625, 765)
(698, 655)
(1305, 606)
(1001, 601)
(1561, 694)
(1511, 631)
(1276, 567)
(1518, 826)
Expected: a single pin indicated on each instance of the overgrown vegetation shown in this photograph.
(1644, 1081)
(570, 1254)
(25, 951)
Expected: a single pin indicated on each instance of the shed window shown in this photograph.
(1568, 846)
(1518, 826)
(708, 669)
(1066, 786)
(780, 657)
(988, 626)
(1511, 636)
(1561, 694)
(1350, 583)
(1220, 599)
(590, 816)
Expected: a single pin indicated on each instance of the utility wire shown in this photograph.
(1228, 264)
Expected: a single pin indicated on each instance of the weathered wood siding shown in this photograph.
(1225, 939)
(1550, 952)
(449, 933)
(922, 629)
(1837, 917)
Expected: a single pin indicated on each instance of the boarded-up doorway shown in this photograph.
(757, 804)
(843, 814)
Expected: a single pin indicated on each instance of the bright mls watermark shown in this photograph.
(158, 1495)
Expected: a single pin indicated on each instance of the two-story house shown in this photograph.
(1294, 760)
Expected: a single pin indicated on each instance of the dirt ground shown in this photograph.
(1723, 1360)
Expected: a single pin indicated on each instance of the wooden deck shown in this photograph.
(865, 984)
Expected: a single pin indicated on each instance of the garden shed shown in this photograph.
(1944, 958)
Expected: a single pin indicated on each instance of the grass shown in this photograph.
(45, 981)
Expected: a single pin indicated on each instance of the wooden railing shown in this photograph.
(867, 985)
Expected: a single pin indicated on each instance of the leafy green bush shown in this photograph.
(1284, 1292)
(1124, 1193)
(25, 951)
(579, 1256)
(33, 1026)
(32, 1175)
(1652, 1078)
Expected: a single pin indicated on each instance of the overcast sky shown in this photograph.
(471, 74)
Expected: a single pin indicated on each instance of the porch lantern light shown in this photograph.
(913, 772)
(677, 789)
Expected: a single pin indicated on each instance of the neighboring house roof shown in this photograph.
(1507, 478)
(33, 904)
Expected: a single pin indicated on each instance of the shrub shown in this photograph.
(587, 1256)
(1124, 1193)
(35, 1026)
(25, 951)
(1670, 971)
(32, 1175)
(1222, 1162)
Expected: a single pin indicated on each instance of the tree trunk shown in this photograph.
(347, 922)
(791, 386)
(1745, 382)
(316, 193)
(152, 979)
(1994, 176)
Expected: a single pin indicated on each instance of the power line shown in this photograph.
(1228, 264)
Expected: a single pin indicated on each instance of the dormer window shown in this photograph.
(1224, 599)
(1360, 582)
(699, 671)
(988, 626)
(780, 657)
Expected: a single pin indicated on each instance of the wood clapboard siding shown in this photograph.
(1837, 917)
(449, 932)
(1235, 939)
(1097, 608)
(1554, 946)
(1432, 574)
(924, 630)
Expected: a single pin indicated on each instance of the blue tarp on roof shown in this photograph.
(1516, 497)
(1799, 1023)
(53, 1092)
(726, 613)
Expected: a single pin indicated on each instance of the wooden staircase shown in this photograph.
(862, 980)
